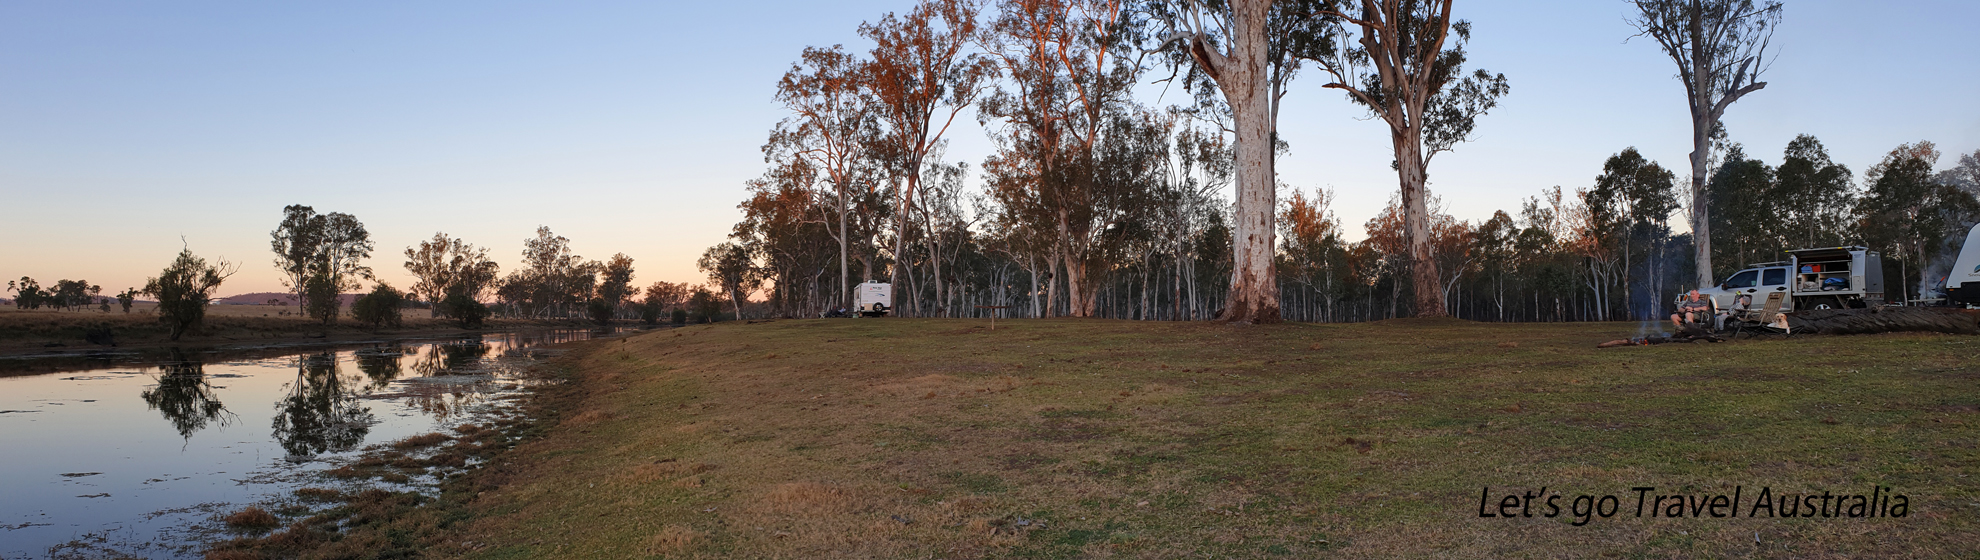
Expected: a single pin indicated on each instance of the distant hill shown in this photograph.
(261, 298)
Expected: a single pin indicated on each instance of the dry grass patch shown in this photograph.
(253, 518)
(673, 539)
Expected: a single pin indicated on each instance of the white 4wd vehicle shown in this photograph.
(1827, 278)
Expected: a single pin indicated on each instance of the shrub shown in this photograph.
(649, 313)
(680, 316)
(380, 308)
(600, 311)
(463, 308)
(184, 289)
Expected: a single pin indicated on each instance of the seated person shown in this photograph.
(1742, 309)
(1695, 309)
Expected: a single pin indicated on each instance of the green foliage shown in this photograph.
(320, 298)
(445, 264)
(463, 308)
(680, 316)
(331, 246)
(184, 289)
(599, 310)
(649, 313)
(126, 298)
(1912, 216)
(380, 308)
(733, 267)
(27, 293)
(705, 306)
(73, 294)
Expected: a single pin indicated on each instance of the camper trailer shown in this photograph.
(1823, 278)
(1963, 281)
(873, 299)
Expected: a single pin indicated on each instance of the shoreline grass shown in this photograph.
(1087, 438)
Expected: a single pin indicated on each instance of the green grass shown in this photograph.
(1058, 438)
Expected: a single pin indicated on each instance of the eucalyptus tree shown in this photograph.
(732, 268)
(920, 77)
(832, 124)
(1911, 215)
(1720, 49)
(797, 249)
(551, 276)
(1631, 200)
(447, 264)
(1249, 50)
(296, 243)
(1070, 67)
(1965, 176)
(1817, 194)
(1407, 70)
(615, 281)
(1749, 211)
(332, 246)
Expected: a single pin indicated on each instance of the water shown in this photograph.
(130, 454)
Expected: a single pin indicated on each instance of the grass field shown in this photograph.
(1074, 438)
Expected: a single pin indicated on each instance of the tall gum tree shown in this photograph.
(1405, 75)
(1249, 50)
(1066, 79)
(1720, 48)
(831, 124)
(919, 79)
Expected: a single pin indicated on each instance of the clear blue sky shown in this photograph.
(631, 127)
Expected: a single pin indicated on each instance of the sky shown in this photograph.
(131, 129)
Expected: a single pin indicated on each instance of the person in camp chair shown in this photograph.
(1694, 310)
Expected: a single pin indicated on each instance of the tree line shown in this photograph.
(323, 255)
(1095, 204)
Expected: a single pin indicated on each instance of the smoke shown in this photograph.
(1932, 281)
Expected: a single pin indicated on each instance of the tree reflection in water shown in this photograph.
(442, 397)
(380, 364)
(184, 396)
(459, 358)
(321, 414)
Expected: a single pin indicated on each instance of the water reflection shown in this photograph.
(151, 487)
(321, 414)
(451, 359)
(380, 364)
(185, 397)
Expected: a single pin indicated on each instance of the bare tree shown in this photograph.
(1720, 48)
(1405, 75)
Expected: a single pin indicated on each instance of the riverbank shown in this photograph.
(56, 334)
(1058, 438)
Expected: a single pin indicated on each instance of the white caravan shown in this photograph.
(873, 299)
(1963, 281)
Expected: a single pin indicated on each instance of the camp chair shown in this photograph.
(1762, 322)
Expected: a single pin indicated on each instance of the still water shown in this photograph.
(137, 455)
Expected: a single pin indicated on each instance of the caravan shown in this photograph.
(873, 299)
(1963, 281)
